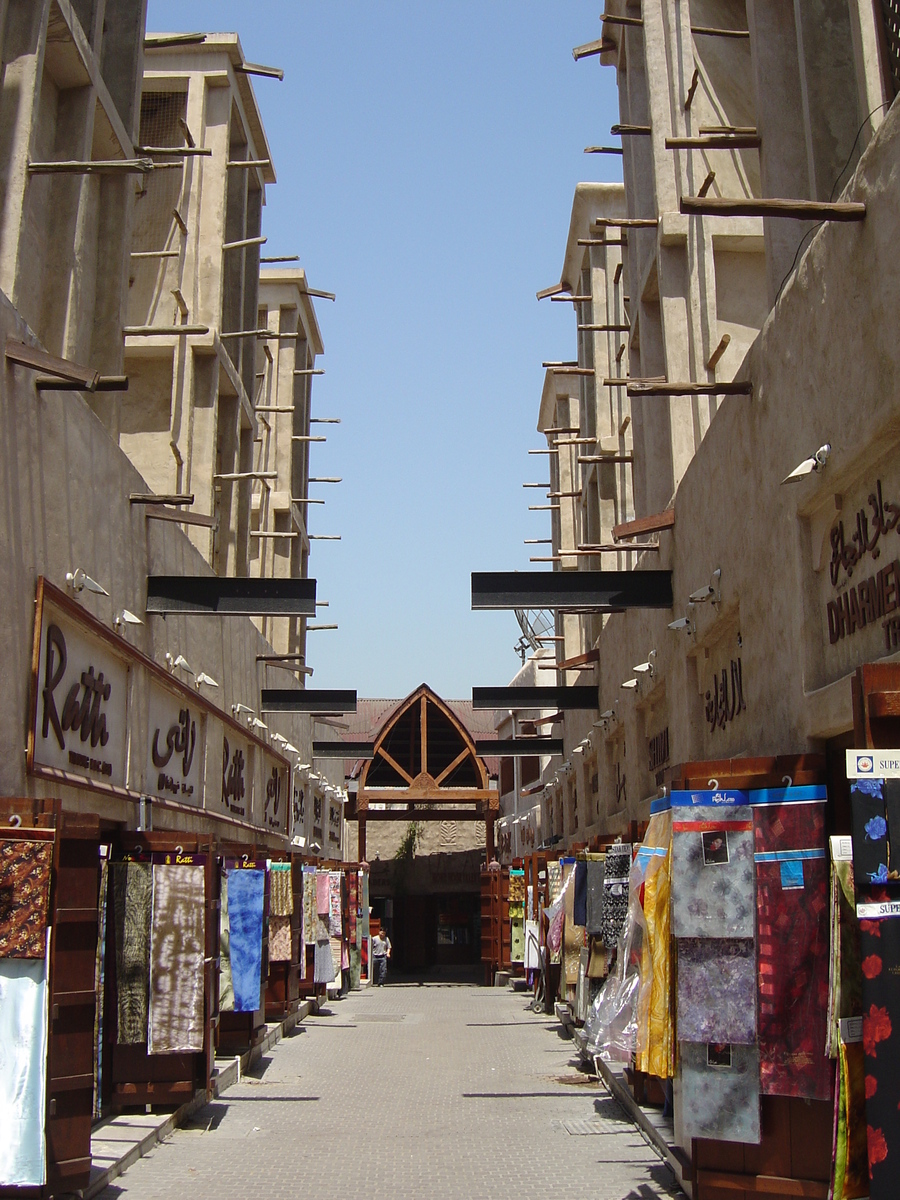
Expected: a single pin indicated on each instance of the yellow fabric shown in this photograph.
(573, 935)
(656, 1026)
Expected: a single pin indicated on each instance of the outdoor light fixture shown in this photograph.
(182, 662)
(606, 719)
(124, 617)
(811, 465)
(684, 623)
(710, 592)
(78, 581)
(289, 749)
(646, 668)
(256, 723)
(279, 737)
(204, 678)
(239, 708)
(630, 684)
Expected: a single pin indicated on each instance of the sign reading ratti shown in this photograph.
(92, 727)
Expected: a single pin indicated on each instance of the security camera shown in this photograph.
(710, 592)
(809, 466)
(682, 623)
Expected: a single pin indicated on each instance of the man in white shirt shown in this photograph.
(381, 952)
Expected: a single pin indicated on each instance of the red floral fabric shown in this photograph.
(880, 945)
(792, 935)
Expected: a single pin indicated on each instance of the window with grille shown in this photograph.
(891, 12)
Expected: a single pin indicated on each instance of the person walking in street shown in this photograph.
(381, 952)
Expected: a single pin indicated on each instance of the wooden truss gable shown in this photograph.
(424, 754)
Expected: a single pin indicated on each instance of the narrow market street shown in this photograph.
(411, 1090)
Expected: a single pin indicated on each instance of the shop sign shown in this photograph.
(873, 764)
(81, 709)
(335, 820)
(275, 810)
(658, 750)
(229, 787)
(174, 762)
(725, 699)
(873, 599)
(318, 828)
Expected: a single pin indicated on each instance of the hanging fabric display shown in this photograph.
(717, 990)
(310, 906)
(532, 959)
(573, 934)
(334, 902)
(177, 951)
(323, 893)
(880, 948)
(132, 898)
(226, 983)
(851, 1159)
(615, 893)
(845, 972)
(281, 890)
(594, 903)
(649, 891)
(100, 985)
(24, 1028)
(792, 896)
(279, 939)
(720, 1092)
(337, 955)
(516, 885)
(875, 810)
(353, 883)
(25, 867)
(364, 902)
(246, 900)
(324, 969)
(580, 898)
(517, 934)
(712, 865)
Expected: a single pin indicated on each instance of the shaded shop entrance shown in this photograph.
(426, 784)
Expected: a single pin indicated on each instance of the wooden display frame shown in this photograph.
(136, 1078)
(72, 997)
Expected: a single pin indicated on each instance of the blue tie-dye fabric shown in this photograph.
(246, 895)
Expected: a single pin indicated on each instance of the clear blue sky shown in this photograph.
(427, 155)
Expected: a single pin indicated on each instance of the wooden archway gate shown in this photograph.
(424, 758)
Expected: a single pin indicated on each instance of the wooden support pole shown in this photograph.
(603, 150)
(801, 210)
(243, 242)
(277, 258)
(325, 537)
(325, 479)
(310, 371)
(306, 437)
(653, 524)
(716, 129)
(305, 500)
(612, 19)
(543, 507)
(257, 69)
(708, 31)
(618, 271)
(275, 408)
(188, 136)
(606, 328)
(361, 838)
(617, 547)
(579, 299)
(180, 221)
(246, 164)
(272, 533)
(157, 512)
(175, 151)
(152, 498)
(545, 486)
(60, 368)
(713, 360)
(716, 141)
(589, 48)
(630, 130)
(115, 166)
(325, 420)
(627, 380)
(606, 458)
(707, 183)
(689, 98)
(105, 383)
(231, 476)
(736, 387)
(626, 222)
(155, 253)
(572, 370)
(601, 242)
(164, 330)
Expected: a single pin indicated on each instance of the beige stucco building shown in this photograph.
(796, 315)
(145, 360)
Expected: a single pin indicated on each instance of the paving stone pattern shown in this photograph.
(432, 1092)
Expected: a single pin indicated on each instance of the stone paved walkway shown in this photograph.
(434, 1092)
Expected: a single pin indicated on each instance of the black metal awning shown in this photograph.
(562, 698)
(597, 591)
(214, 596)
(308, 700)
